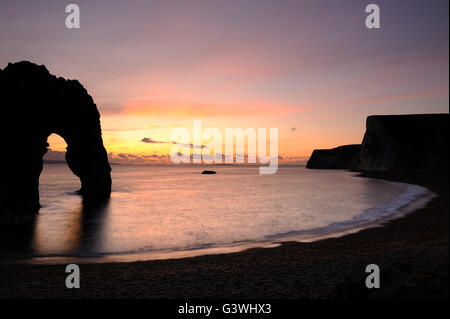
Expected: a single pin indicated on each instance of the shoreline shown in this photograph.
(412, 253)
(411, 198)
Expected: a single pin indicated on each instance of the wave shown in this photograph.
(396, 207)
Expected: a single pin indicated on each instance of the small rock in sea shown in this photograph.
(208, 172)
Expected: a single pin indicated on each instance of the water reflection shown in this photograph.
(78, 232)
(18, 239)
(167, 209)
(91, 227)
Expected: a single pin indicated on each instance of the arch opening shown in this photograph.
(56, 150)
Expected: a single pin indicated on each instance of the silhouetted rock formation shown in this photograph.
(393, 143)
(342, 157)
(35, 104)
(405, 142)
(208, 172)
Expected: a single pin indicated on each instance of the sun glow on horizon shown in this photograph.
(268, 64)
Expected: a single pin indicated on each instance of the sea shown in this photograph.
(173, 211)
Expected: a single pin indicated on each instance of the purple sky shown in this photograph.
(312, 65)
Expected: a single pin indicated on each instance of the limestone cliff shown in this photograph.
(405, 143)
(33, 105)
(342, 157)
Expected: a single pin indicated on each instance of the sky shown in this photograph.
(309, 68)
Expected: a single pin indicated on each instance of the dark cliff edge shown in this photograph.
(397, 143)
(33, 105)
(342, 157)
(416, 142)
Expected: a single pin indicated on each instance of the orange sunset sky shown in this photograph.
(309, 68)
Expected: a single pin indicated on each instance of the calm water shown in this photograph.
(162, 211)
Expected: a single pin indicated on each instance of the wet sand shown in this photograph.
(412, 253)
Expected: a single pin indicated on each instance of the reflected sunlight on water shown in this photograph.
(156, 209)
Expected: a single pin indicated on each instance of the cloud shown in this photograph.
(154, 156)
(151, 141)
(126, 158)
(190, 145)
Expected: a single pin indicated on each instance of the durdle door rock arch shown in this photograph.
(35, 104)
